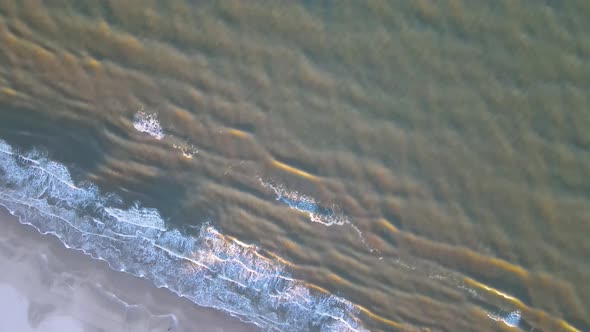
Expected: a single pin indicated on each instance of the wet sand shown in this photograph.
(45, 287)
(14, 308)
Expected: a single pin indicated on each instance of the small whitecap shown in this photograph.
(148, 123)
(327, 216)
(306, 204)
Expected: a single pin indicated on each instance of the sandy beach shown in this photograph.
(46, 287)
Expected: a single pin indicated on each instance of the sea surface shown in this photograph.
(312, 165)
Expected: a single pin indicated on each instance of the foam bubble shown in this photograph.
(208, 268)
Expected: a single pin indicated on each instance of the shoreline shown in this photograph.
(62, 288)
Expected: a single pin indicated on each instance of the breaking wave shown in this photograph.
(209, 268)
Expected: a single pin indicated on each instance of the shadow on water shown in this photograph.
(66, 140)
(84, 149)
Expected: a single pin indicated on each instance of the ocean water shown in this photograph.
(312, 166)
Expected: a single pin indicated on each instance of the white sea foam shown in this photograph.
(307, 204)
(148, 123)
(144, 217)
(208, 268)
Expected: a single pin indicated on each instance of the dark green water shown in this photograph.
(426, 161)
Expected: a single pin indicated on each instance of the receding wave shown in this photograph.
(209, 268)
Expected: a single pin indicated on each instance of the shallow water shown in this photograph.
(407, 166)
